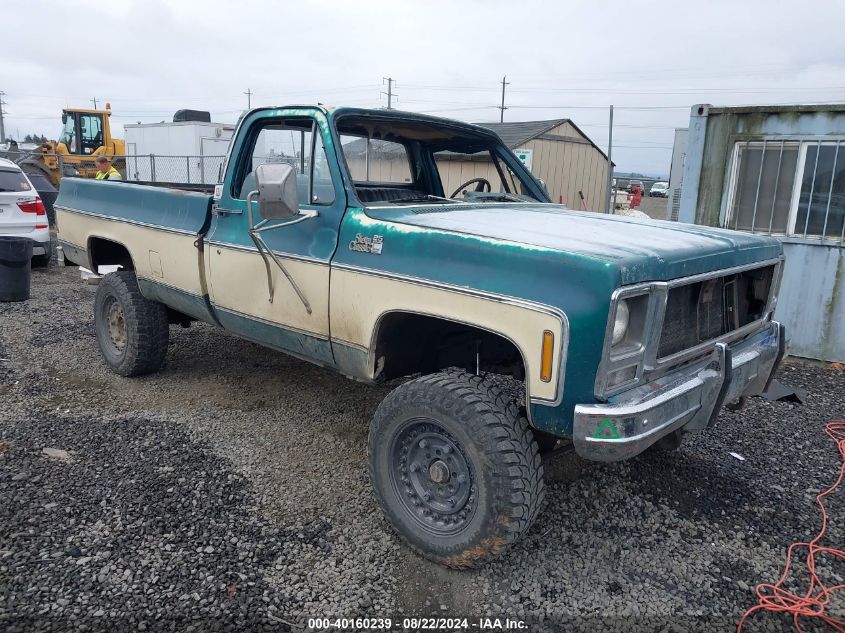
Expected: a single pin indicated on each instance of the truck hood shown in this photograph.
(642, 250)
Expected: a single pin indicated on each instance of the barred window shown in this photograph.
(821, 203)
(764, 180)
(788, 187)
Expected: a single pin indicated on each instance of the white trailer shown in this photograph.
(184, 152)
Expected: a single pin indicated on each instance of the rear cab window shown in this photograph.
(380, 170)
(373, 161)
(13, 180)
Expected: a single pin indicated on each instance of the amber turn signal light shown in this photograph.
(547, 355)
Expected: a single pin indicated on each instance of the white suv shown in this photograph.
(22, 212)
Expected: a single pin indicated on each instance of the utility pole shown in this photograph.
(2, 112)
(248, 94)
(502, 107)
(390, 81)
(95, 102)
(610, 200)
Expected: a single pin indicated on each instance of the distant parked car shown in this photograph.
(22, 212)
(659, 190)
(634, 183)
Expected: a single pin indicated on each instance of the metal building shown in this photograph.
(780, 171)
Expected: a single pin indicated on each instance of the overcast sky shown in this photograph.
(561, 59)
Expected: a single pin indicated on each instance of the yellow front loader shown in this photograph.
(85, 135)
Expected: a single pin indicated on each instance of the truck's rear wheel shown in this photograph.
(455, 468)
(132, 331)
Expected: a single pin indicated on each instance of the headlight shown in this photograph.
(620, 324)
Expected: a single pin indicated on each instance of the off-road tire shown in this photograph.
(504, 475)
(146, 326)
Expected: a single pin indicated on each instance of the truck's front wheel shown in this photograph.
(455, 468)
(132, 331)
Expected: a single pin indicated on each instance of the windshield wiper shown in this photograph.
(501, 197)
(426, 199)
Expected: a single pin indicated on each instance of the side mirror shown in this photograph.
(64, 118)
(277, 197)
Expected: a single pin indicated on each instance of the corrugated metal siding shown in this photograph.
(568, 168)
(380, 170)
(812, 301)
(457, 172)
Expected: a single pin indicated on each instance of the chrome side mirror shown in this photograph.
(277, 197)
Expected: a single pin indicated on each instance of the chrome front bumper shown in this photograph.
(689, 398)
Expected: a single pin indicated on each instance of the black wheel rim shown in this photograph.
(432, 477)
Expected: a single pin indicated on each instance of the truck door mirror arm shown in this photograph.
(277, 200)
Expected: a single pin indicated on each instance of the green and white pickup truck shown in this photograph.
(343, 237)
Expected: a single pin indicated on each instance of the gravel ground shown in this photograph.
(230, 492)
(656, 208)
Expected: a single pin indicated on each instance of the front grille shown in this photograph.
(705, 310)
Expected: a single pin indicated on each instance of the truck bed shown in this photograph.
(166, 207)
(155, 226)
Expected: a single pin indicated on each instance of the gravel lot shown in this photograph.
(230, 492)
(656, 208)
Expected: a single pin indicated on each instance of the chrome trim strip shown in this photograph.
(146, 225)
(340, 341)
(422, 281)
(683, 281)
(247, 249)
(62, 243)
(168, 286)
(522, 303)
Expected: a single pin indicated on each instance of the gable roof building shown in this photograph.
(573, 167)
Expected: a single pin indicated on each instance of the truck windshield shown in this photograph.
(394, 162)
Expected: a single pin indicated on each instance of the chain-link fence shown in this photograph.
(176, 170)
(16, 156)
(188, 170)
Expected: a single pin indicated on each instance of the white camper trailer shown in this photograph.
(179, 152)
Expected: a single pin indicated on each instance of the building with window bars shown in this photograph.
(779, 171)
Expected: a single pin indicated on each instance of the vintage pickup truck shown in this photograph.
(337, 236)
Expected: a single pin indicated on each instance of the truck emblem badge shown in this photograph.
(607, 431)
(363, 244)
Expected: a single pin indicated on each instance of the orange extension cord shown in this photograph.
(773, 597)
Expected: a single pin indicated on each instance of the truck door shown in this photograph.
(250, 293)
